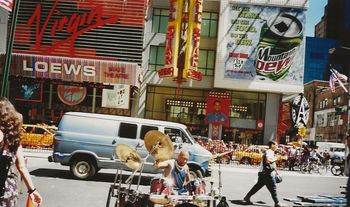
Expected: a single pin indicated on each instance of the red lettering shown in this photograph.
(198, 12)
(172, 10)
(169, 49)
(270, 66)
(166, 72)
(72, 24)
(116, 75)
(195, 50)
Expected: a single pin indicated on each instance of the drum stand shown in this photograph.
(128, 193)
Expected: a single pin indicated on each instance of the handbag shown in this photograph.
(278, 178)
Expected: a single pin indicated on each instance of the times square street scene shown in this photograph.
(179, 103)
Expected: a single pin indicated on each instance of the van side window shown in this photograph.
(176, 135)
(145, 129)
(127, 130)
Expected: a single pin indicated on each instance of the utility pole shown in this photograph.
(6, 68)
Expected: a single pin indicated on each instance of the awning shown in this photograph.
(74, 69)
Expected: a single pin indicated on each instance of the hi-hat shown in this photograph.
(129, 156)
(163, 147)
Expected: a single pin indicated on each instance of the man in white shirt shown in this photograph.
(266, 175)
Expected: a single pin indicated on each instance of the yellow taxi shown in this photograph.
(37, 136)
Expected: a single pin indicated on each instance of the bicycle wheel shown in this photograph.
(336, 170)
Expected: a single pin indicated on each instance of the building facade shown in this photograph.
(97, 57)
(254, 105)
(317, 58)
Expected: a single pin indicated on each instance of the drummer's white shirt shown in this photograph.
(168, 176)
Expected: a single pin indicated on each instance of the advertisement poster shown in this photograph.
(261, 48)
(218, 110)
(29, 92)
(117, 97)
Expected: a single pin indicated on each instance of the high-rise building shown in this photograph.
(316, 58)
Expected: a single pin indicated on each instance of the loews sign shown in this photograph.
(75, 70)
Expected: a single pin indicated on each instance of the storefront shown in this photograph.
(188, 106)
(75, 56)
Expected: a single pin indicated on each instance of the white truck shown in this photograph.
(332, 148)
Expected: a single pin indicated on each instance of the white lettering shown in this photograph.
(71, 68)
(89, 70)
(58, 68)
(55, 68)
(25, 67)
(41, 66)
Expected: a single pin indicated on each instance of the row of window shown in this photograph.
(324, 103)
(128, 130)
(209, 24)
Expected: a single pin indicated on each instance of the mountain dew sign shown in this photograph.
(280, 38)
(261, 47)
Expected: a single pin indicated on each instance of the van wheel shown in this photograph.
(83, 168)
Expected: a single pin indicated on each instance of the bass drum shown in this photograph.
(141, 201)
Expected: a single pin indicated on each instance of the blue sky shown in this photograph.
(314, 15)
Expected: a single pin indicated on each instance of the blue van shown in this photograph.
(86, 142)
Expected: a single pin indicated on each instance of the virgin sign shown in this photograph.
(75, 25)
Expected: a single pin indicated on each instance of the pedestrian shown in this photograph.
(347, 171)
(292, 157)
(11, 157)
(267, 172)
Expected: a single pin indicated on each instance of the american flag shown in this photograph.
(6, 4)
(336, 76)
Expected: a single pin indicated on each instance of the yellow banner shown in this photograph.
(172, 40)
(193, 36)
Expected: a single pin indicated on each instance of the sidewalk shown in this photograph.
(37, 153)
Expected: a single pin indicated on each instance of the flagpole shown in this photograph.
(6, 68)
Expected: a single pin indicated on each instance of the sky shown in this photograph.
(314, 15)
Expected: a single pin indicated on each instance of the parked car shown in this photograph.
(37, 136)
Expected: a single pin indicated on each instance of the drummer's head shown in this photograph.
(182, 158)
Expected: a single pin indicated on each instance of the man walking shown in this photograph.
(266, 175)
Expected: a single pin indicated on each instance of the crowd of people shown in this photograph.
(288, 156)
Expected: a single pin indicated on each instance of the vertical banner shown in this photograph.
(172, 40)
(218, 109)
(193, 37)
(300, 111)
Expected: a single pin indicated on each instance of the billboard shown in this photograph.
(260, 48)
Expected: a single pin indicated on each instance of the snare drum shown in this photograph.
(196, 187)
(158, 187)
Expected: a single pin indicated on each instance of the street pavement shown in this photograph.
(60, 189)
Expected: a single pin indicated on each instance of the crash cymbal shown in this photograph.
(165, 147)
(129, 156)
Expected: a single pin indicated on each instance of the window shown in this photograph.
(128, 130)
(176, 135)
(156, 57)
(206, 62)
(209, 25)
(160, 20)
(145, 129)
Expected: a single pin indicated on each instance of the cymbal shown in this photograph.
(165, 147)
(129, 156)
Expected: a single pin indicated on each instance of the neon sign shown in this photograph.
(75, 25)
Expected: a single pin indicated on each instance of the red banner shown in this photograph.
(6, 4)
(218, 108)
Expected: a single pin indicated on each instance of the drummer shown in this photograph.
(176, 172)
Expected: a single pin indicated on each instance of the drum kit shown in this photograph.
(161, 148)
